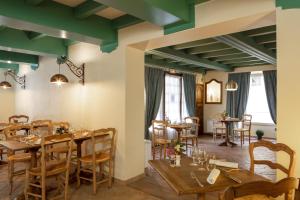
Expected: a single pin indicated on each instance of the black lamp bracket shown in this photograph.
(77, 71)
(19, 79)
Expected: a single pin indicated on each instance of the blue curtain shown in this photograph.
(189, 84)
(154, 84)
(237, 100)
(270, 78)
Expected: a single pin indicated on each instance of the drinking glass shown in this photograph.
(194, 155)
(172, 160)
(211, 165)
(202, 156)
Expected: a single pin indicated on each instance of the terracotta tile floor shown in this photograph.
(152, 186)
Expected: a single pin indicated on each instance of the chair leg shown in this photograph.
(10, 174)
(186, 145)
(160, 151)
(43, 188)
(67, 186)
(165, 151)
(78, 173)
(110, 173)
(94, 180)
(153, 153)
(26, 184)
(249, 137)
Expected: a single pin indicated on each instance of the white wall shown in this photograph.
(7, 99)
(210, 110)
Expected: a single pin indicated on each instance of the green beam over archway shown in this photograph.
(14, 57)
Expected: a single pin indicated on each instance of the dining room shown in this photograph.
(87, 84)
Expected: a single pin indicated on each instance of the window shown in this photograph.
(173, 105)
(257, 104)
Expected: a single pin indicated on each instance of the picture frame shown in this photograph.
(213, 92)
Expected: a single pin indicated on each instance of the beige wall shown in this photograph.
(288, 92)
(7, 99)
(210, 110)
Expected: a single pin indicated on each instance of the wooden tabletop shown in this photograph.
(230, 120)
(180, 180)
(182, 126)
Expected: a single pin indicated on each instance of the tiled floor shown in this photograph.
(152, 186)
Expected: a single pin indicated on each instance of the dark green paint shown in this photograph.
(18, 41)
(51, 18)
(88, 8)
(157, 12)
(197, 43)
(221, 53)
(261, 31)
(34, 35)
(18, 57)
(12, 66)
(262, 39)
(108, 47)
(208, 48)
(34, 2)
(233, 57)
(288, 4)
(125, 21)
(162, 64)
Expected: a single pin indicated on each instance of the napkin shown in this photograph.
(224, 164)
(213, 176)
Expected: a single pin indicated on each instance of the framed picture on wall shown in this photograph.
(213, 92)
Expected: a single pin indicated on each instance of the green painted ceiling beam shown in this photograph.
(34, 35)
(201, 1)
(271, 45)
(209, 48)
(261, 31)
(125, 21)
(226, 52)
(244, 60)
(162, 64)
(34, 2)
(56, 20)
(190, 59)
(198, 43)
(288, 4)
(12, 66)
(233, 57)
(263, 39)
(246, 64)
(15, 57)
(88, 8)
(17, 41)
(248, 45)
(157, 12)
(2, 28)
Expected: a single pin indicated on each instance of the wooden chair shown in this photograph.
(192, 132)
(106, 139)
(159, 137)
(2, 137)
(11, 134)
(246, 128)
(260, 190)
(219, 129)
(273, 147)
(16, 119)
(36, 177)
(60, 125)
(42, 127)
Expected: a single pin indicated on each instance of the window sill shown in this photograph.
(263, 124)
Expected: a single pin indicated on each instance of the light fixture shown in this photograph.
(18, 79)
(60, 79)
(231, 86)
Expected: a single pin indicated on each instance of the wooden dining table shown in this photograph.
(179, 127)
(15, 145)
(180, 180)
(228, 122)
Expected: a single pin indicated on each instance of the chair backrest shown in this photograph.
(276, 148)
(266, 188)
(49, 145)
(42, 127)
(18, 119)
(104, 141)
(247, 121)
(159, 129)
(195, 123)
(11, 132)
(60, 125)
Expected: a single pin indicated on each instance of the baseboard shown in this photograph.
(128, 181)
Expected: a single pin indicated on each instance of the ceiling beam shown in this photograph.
(249, 46)
(208, 48)
(34, 35)
(233, 57)
(271, 45)
(17, 40)
(226, 52)
(88, 8)
(12, 66)
(198, 43)
(261, 31)
(288, 4)
(56, 20)
(245, 64)
(125, 21)
(157, 12)
(245, 60)
(14, 57)
(149, 62)
(263, 39)
(190, 59)
(34, 2)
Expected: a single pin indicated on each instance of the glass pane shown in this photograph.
(172, 98)
(257, 104)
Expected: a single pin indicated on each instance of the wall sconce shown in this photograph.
(60, 79)
(19, 79)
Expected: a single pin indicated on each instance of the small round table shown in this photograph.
(227, 122)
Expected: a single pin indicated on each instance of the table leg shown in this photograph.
(227, 140)
(78, 143)
(33, 153)
(201, 196)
